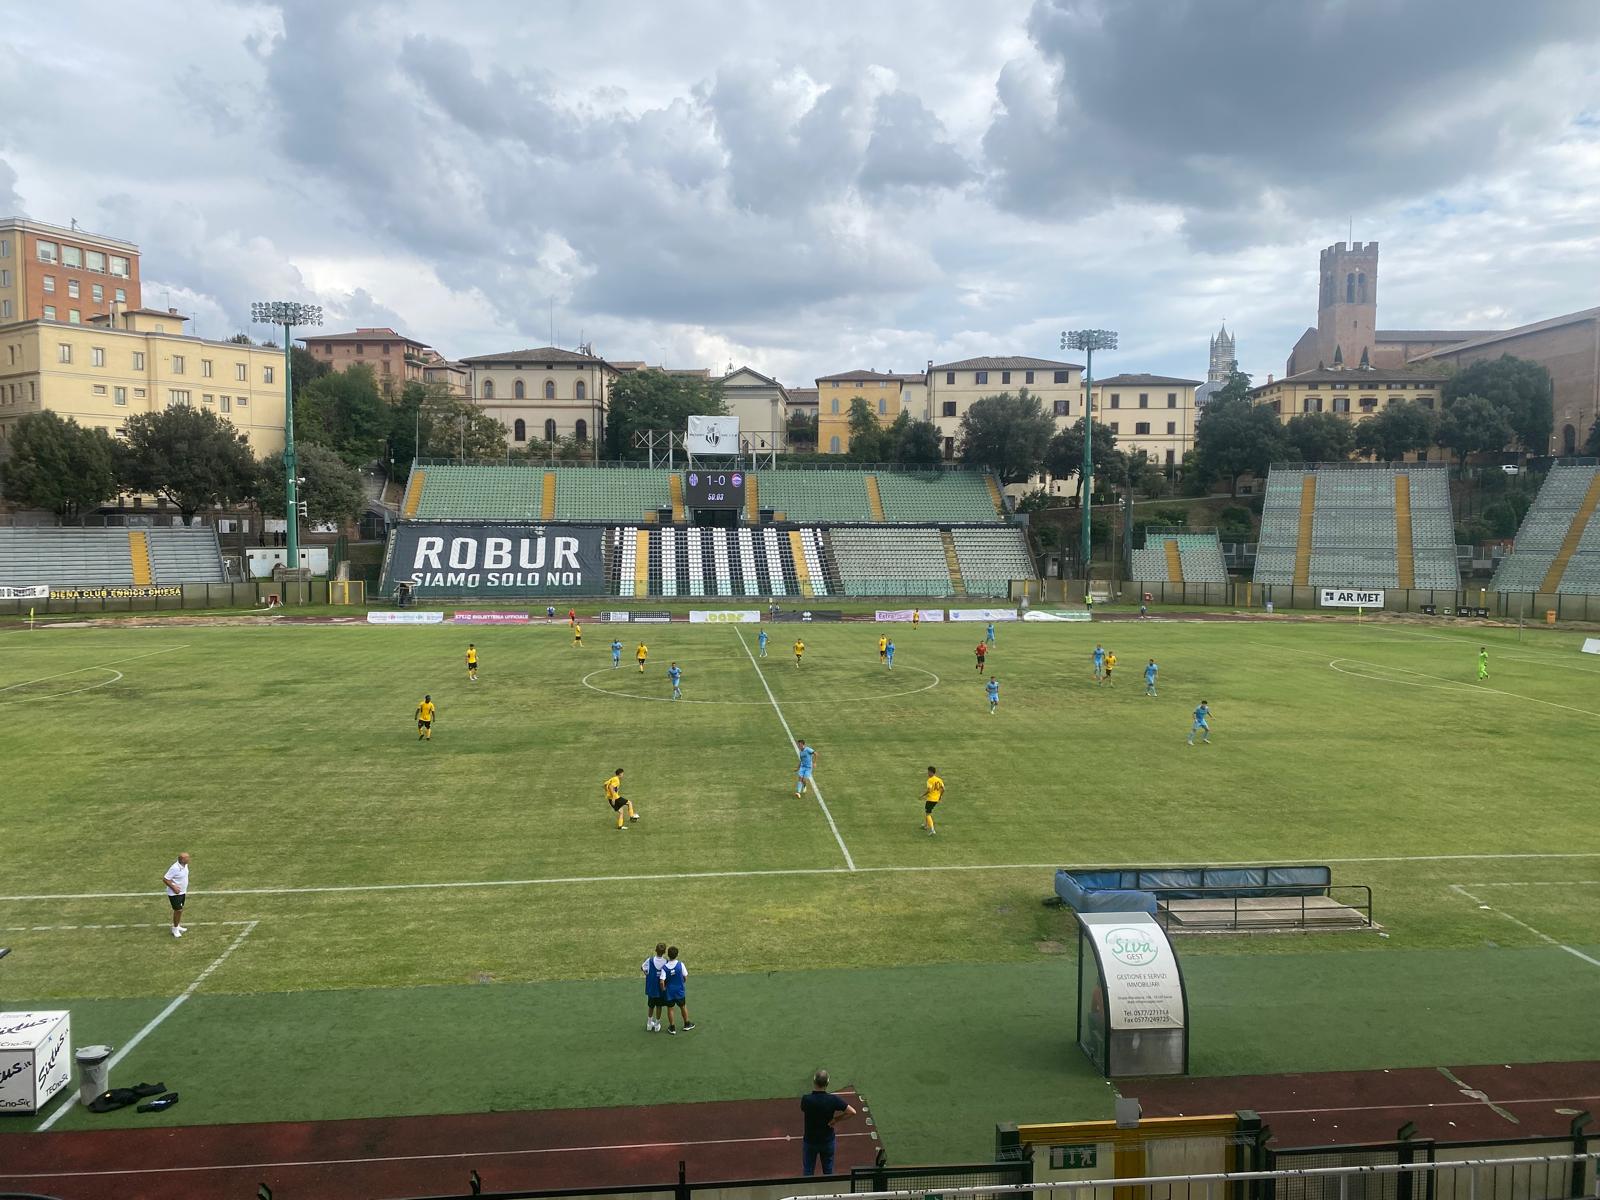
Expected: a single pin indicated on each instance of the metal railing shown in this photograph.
(1294, 905)
(1573, 1178)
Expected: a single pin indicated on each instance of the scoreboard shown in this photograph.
(713, 489)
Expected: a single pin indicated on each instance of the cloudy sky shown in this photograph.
(819, 187)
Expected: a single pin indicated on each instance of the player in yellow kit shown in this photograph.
(1111, 665)
(883, 649)
(472, 662)
(425, 712)
(620, 804)
(799, 651)
(642, 653)
(932, 793)
(577, 634)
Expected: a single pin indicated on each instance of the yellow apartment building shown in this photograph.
(545, 393)
(1354, 394)
(885, 392)
(952, 388)
(1153, 413)
(137, 361)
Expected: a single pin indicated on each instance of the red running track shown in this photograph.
(421, 1156)
(1333, 1108)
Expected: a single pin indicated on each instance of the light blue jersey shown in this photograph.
(675, 673)
(1099, 657)
(1202, 723)
(807, 754)
(993, 689)
(889, 653)
(616, 654)
(1150, 679)
(761, 641)
(988, 634)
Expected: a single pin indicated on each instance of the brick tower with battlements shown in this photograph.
(1347, 310)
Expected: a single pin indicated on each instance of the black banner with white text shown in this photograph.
(498, 561)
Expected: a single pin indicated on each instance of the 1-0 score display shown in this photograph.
(713, 489)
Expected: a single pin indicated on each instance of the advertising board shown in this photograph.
(130, 592)
(405, 617)
(712, 435)
(489, 618)
(724, 616)
(1349, 598)
(904, 614)
(983, 614)
(36, 592)
(498, 560)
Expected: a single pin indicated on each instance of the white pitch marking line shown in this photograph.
(125, 925)
(1538, 883)
(96, 667)
(689, 876)
(116, 677)
(1456, 684)
(1461, 891)
(740, 703)
(788, 733)
(395, 1158)
(178, 1002)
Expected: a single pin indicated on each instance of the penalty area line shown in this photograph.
(788, 733)
(1538, 933)
(155, 1022)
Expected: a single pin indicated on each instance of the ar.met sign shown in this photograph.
(1350, 598)
(498, 560)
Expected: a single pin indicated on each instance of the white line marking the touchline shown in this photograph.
(690, 876)
(95, 667)
(1540, 934)
(155, 1022)
(124, 925)
(788, 733)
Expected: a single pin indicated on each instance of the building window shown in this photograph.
(1063, 408)
(883, 406)
(1144, 399)
(1142, 429)
(549, 389)
(582, 390)
(138, 393)
(1061, 377)
(1005, 376)
(833, 444)
(97, 293)
(1425, 401)
(64, 352)
(177, 398)
(980, 377)
(119, 396)
(1170, 458)
(1114, 427)
(1312, 386)
(225, 403)
(5, 277)
(243, 401)
(1027, 377)
(1116, 399)
(95, 261)
(1172, 427)
(99, 389)
(49, 312)
(240, 372)
(119, 266)
(46, 252)
(5, 309)
(581, 430)
(947, 408)
(883, 383)
(74, 317)
(138, 360)
(550, 430)
(519, 391)
(1368, 403)
(5, 247)
(1341, 404)
(386, 347)
(1341, 387)
(519, 430)
(207, 398)
(49, 282)
(1172, 399)
(267, 375)
(949, 377)
(359, 349)
(488, 389)
(205, 368)
(97, 356)
(836, 406)
(73, 290)
(71, 256)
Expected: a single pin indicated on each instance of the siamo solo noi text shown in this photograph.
(496, 562)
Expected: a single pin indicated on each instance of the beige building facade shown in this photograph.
(52, 273)
(1354, 394)
(543, 394)
(761, 404)
(137, 362)
(885, 393)
(395, 359)
(952, 387)
(1153, 413)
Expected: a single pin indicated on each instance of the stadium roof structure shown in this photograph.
(1014, 362)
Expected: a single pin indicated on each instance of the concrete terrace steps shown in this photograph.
(1569, 543)
(1404, 551)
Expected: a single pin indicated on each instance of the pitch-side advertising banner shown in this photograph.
(1349, 598)
(1591, 645)
(498, 561)
(724, 616)
(405, 617)
(489, 618)
(983, 614)
(1070, 614)
(712, 435)
(904, 614)
(37, 592)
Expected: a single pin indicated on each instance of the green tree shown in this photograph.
(305, 368)
(1395, 431)
(330, 488)
(345, 412)
(190, 456)
(1064, 458)
(59, 465)
(1235, 436)
(802, 431)
(917, 442)
(428, 421)
(1592, 446)
(868, 439)
(1472, 425)
(1321, 437)
(1237, 387)
(1518, 388)
(1007, 434)
(654, 400)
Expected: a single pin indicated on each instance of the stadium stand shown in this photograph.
(502, 494)
(1358, 525)
(810, 496)
(610, 494)
(947, 496)
(1174, 556)
(991, 558)
(109, 557)
(1558, 547)
(891, 562)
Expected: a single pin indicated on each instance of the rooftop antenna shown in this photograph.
(1352, 231)
(552, 321)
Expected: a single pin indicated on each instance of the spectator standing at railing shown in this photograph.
(823, 1110)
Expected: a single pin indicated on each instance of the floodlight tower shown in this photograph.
(288, 313)
(1088, 340)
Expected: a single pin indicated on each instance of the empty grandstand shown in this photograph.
(1558, 547)
(854, 532)
(1178, 556)
(1363, 525)
(109, 557)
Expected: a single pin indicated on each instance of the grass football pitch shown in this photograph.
(395, 927)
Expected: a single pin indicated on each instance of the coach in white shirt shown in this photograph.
(177, 881)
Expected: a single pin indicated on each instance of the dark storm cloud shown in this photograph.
(1225, 107)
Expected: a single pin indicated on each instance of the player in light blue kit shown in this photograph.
(761, 641)
(808, 755)
(993, 688)
(1150, 678)
(888, 652)
(675, 673)
(988, 634)
(616, 654)
(1099, 657)
(1202, 724)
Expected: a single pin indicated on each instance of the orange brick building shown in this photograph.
(51, 273)
(396, 359)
